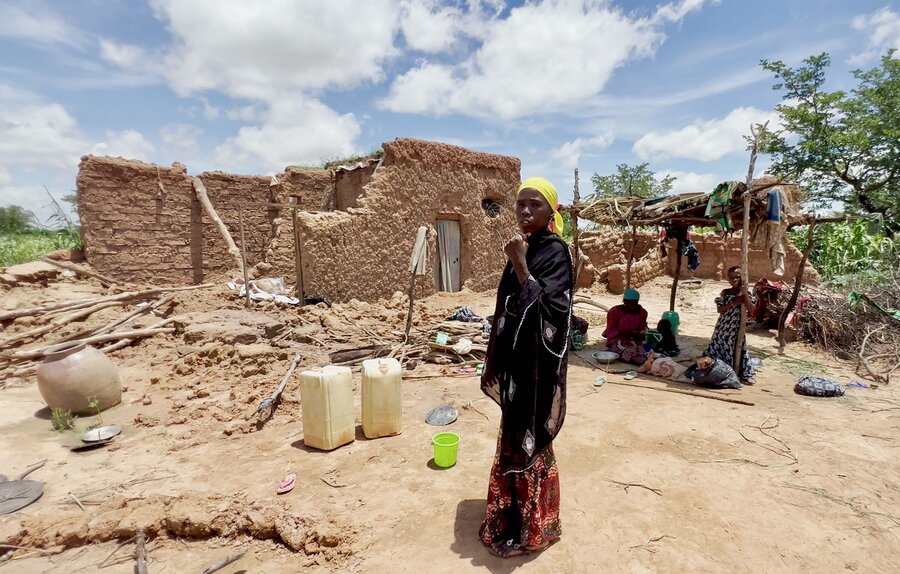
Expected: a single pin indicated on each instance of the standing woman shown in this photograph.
(724, 338)
(525, 373)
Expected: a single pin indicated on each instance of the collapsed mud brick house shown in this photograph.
(356, 225)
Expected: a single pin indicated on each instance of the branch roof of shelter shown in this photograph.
(690, 208)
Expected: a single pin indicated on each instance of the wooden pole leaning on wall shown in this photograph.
(417, 266)
(298, 262)
(200, 191)
(798, 282)
(574, 214)
(631, 258)
(740, 342)
(244, 255)
(679, 246)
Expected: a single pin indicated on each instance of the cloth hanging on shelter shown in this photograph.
(775, 230)
(775, 205)
(717, 207)
(693, 256)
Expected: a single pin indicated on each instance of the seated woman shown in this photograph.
(724, 338)
(626, 326)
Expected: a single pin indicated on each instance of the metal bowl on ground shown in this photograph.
(441, 416)
(605, 356)
(101, 433)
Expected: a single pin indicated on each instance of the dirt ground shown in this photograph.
(651, 481)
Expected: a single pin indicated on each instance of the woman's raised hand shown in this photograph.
(516, 248)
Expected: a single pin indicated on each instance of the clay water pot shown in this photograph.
(70, 379)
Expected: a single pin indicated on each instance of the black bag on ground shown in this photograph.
(718, 376)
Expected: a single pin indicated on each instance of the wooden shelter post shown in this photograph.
(678, 257)
(631, 257)
(745, 250)
(244, 255)
(798, 282)
(298, 262)
(574, 214)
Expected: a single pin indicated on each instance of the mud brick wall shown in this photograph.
(364, 252)
(308, 188)
(227, 192)
(717, 255)
(609, 248)
(349, 183)
(650, 267)
(142, 223)
(608, 251)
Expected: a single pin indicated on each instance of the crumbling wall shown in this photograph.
(349, 184)
(308, 188)
(717, 255)
(642, 271)
(228, 192)
(142, 222)
(608, 251)
(364, 252)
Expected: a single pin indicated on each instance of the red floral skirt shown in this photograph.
(523, 507)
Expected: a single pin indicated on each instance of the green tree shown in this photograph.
(840, 146)
(15, 219)
(628, 181)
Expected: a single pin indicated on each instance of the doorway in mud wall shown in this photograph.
(446, 270)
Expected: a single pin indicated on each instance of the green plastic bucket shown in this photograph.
(446, 445)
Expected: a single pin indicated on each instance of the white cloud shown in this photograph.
(882, 30)
(704, 140)
(299, 130)
(37, 134)
(432, 26)
(39, 25)
(676, 12)
(122, 55)
(260, 50)
(129, 144)
(181, 142)
(5, 177)
(687, 182)
(568, 154)
(523, 68)
(429, 27)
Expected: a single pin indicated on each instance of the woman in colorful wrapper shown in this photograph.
(525, 373)
(626, 327)
(724, 337)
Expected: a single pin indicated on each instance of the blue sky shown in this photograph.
(249, 87)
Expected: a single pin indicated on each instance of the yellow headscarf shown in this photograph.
(548, 192)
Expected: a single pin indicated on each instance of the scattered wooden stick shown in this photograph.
(80, 303)
(133, 334)
(31, 469)
(862, 356)
(651, 540)
(626, 485)
(165, 300)
(683, 392)
(81, 271)
(78, 502)
(59, 322)
(200, 191)
(233, 557)
(244, 257)
(140, 554)
(331, 483)
(274, 398)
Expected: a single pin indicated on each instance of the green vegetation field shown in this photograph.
(31, 245)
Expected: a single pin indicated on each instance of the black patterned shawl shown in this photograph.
(527, 354)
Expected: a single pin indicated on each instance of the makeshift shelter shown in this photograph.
(774, 208)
